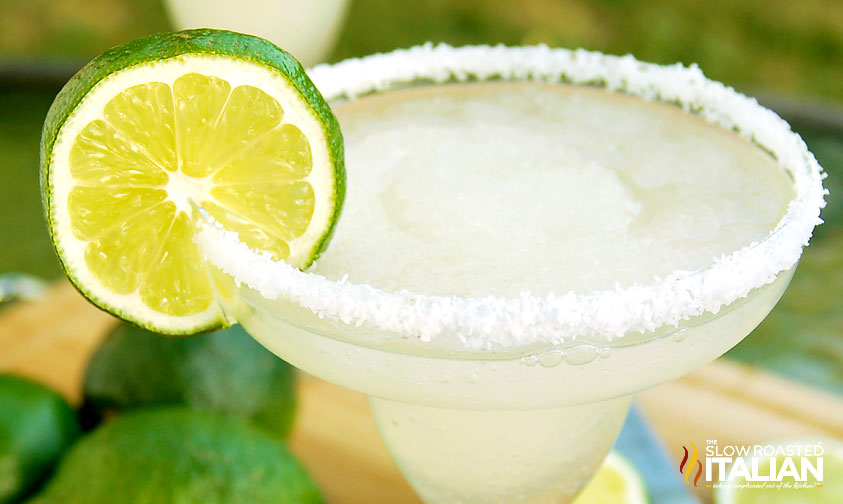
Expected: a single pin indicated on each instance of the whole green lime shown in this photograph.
(225, 371)
(176, 455)
(37, 426)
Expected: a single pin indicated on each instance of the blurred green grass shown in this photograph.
(24, 242)
(791, 49)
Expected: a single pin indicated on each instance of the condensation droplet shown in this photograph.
(581, 354)
(529, 360)
(552, 358)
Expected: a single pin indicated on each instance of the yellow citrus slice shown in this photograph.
(616, 482)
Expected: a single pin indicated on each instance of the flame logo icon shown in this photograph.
(686, 467)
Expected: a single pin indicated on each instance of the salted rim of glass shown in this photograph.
(492, 321)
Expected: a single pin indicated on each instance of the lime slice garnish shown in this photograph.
(789, 490)
(220, 119)
(616, 481)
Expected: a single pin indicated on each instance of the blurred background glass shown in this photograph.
(307, 29)
(789, 54)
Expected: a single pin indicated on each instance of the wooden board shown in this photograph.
(336, 438)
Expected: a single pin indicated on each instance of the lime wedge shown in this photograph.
(616, 481)
(220, 119)
(789, 490)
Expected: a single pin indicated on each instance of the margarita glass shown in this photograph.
(513, 389)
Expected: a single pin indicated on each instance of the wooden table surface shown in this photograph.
(335, 437)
